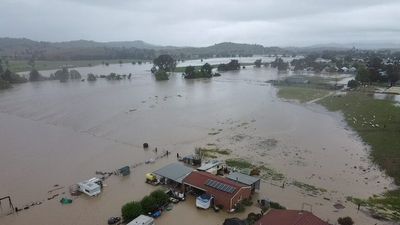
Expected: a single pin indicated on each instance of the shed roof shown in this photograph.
(175, 171)
(243, 178)
(289, 217)
(209, 165)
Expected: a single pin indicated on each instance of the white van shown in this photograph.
(142, 220)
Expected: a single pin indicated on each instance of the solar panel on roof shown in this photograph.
(220, 186)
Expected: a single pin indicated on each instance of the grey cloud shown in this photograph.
(191, 22)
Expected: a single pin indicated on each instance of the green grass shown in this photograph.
(386, 206)
(239, 163)
(309, 187)
(22, 65)
(302, 94)
(269, 173)
(378, 124)
(213, 152)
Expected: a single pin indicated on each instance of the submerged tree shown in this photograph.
(165, 63)
(34, 75)
(257, 63)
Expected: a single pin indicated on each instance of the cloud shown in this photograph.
(199, 23)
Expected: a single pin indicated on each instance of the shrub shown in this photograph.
(160, 197)
(161, 75)
(149, 204)
(345, 221)
(352, 84)
(131, 210)
(247, 202)
(239, 207)
(275, 205)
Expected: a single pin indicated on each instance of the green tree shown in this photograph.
(345, 221)
(161, 75)
(11, 77)
(206, 69)
(91, 77)
(74, 74)
(34, 75)
(363, 75)
(161, 198)
(130, 211)
(189, 71)
(257, 63)
(149, 204)
(165, 63)
(352, 84)
(62, 75)
(393, 72)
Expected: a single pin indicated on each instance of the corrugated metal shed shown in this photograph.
(243, 178)
(175, 171)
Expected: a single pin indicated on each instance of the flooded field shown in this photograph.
(56, 133)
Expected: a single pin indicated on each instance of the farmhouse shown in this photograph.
(224, 191)
(289, 217)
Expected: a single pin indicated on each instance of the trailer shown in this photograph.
(91, 187)
(142, 220)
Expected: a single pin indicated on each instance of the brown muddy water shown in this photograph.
(54, 133)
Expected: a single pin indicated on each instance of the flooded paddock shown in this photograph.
(54, 133)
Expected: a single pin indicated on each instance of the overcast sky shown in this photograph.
(204, 22)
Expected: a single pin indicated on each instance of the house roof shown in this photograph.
(205, 181)
(290, 217)
(175, 171)
(242, 178)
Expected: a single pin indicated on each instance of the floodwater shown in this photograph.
(56, 134)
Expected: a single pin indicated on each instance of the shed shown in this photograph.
(244, 179)
(289, 217)
(211, 166)
(175, 172)
(225, 192)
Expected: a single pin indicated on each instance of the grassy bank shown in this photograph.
(22, 65)
(378, 124)
(301, 94)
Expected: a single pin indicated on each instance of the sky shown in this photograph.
(205, 22)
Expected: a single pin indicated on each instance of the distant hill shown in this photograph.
(24, 49)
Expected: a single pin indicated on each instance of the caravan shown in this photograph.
(142, 220)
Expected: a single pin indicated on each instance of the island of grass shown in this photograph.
(301, 94)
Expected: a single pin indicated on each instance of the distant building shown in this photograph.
(224, 191)
(289, 217)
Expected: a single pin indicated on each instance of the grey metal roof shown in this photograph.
(175, 171)
(209, 165)
(242, 178)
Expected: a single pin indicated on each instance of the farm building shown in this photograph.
(214, 167)
(246, 180)
(173, 173)
(224, 191)
(289, 217)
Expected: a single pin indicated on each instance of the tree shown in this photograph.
(161, 198)
(11, 77)
(363, 75)
(149, 204)
(74, 74)
(393, 72)
(91, 77)
(345, 221)
(189, 71)
(280, 64)
(352, 84)
(206, 69)
(34, 75)
(232, 65)
(161, 75)
(62, 75)
(165, 63)
(131, 210)
(258, 63)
